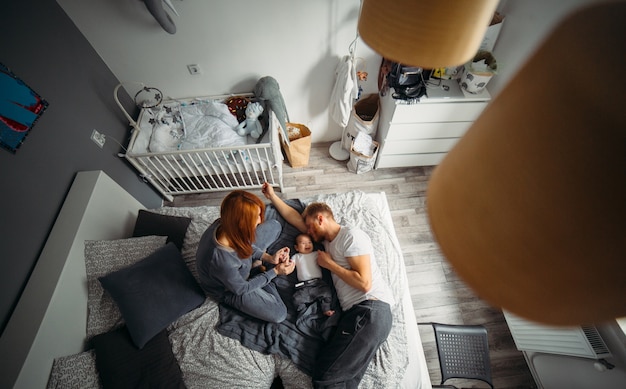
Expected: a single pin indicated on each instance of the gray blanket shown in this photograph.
(298, 338)
(209, 359)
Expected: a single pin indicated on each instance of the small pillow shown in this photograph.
(121, 365)
(75, 371)
(101, 258)
(151, 223)
(153, 292)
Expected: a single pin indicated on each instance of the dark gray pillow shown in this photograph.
(101, 258)
(151, 223)
(153, 292)
(122, 365)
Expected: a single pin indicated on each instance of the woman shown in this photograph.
(226, 254)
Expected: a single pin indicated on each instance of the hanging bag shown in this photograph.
(364, 118)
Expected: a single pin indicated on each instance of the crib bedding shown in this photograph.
(176, 125)
(175, 129)
(208, 358)
(190, 146)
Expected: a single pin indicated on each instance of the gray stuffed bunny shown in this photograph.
(267, 92)
(251, 123)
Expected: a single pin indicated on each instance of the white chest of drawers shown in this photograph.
(420, 134)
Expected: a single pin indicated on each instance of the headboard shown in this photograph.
(50, 318)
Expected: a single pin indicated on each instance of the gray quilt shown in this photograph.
(245, 353)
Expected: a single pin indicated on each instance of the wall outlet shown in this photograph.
(98, 138)
(194, 69)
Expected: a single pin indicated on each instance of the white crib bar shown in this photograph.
(209, 170)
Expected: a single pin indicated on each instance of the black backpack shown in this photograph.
(408, 82)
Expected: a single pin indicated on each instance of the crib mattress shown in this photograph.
(186, 124)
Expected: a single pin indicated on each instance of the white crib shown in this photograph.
(207, 169)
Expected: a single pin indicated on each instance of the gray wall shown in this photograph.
(42, 46)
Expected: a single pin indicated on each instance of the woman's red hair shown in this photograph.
(239, 214)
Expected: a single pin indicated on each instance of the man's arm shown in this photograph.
(358, 277)
(288, 213)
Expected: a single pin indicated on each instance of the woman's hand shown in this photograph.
(284, 268)
(281, 255)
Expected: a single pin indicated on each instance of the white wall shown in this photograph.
(235, 43)
(297, 42)
(527, 23)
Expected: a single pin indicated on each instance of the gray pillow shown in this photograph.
(153, 292)
(75, 371)
(101, 258)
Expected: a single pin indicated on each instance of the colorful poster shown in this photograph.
(20, 108)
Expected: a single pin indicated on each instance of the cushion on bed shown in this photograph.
(75, 371)
(153, 292)
(150, 223)
(122, 365)
(103, 257)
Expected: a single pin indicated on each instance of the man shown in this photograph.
(364, 296)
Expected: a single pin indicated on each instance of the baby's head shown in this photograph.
(304, 244)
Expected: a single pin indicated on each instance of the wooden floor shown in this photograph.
(437, 293)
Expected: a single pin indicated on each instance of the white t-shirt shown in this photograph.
(306, 266)
(352, 242)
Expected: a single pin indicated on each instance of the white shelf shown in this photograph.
(420, 133)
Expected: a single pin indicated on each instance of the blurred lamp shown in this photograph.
(429, 34)
(530, 206)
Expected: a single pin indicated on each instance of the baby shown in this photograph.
(311, 287)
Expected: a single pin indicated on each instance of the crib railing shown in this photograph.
(210, 170)
(213, 169)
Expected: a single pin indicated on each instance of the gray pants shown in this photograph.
(343, 360)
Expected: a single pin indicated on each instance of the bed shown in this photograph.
(189, 145)
(47, 336)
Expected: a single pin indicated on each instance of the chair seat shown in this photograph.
(463, 352)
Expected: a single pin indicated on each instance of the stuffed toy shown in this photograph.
(237, 106)
(251, 125)
(267, 92)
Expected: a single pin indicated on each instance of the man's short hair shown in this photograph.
(314, 209)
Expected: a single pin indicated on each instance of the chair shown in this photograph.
(463, 353)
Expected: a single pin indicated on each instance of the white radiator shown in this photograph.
(584, 341)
